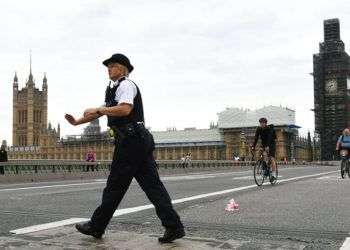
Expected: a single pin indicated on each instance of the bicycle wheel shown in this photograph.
(276, 177)
(343, 166)
(259, 173)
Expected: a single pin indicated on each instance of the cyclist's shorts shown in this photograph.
(272, 151)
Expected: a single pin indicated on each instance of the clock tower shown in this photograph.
(331, 79)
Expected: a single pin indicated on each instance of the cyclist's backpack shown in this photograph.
(345, 141)
(274, 137)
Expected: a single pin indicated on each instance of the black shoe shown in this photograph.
(172, 234)
(272, 179)
(85, 228)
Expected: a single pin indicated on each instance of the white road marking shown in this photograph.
(45, 226)
(200, 176)
(346, 244)
(100, 180)
(217, 174)
(248, 177)
(306, 176)
(123, 211)
(330, 177)
(51, 186)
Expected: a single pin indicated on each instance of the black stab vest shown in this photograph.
(136, 114)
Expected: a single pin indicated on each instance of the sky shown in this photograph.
(192, 58)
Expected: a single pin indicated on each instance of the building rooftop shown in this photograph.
(187, 136)
(240, 118)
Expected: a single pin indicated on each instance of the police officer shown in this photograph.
(133, 154)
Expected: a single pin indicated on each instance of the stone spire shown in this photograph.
(15, 81)
(30, 63)
(45, 82)
(30, 80)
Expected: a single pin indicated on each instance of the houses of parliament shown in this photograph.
(35, 138)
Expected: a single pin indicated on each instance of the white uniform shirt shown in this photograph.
(126, 92)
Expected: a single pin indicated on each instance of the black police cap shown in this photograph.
(121, 59)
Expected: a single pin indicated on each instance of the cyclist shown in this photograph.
(267, 134)
(344, 140)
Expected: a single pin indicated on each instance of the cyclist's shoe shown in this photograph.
(272, 179)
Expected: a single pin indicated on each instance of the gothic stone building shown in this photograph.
(331, 89)
(231, 136)
(234, 132)
(29, 125)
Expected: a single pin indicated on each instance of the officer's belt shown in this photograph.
(127, 130)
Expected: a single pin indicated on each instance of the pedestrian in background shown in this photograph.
(90, 157)
(188, 159)
(3, 158)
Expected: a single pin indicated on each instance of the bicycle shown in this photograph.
(182, 165)
(262, 168)
(345, 163)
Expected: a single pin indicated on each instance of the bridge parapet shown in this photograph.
(20, 167)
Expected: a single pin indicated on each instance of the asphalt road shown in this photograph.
(308, 212)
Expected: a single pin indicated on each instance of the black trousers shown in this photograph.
(133, 157)
(88, 168)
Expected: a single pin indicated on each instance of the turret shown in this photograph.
(15, 82)
(58, 130)
(45, 82)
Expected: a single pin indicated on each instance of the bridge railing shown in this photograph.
(54, 166)
(18, 167)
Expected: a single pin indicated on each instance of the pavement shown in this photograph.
(68, 238)
(307, 209)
